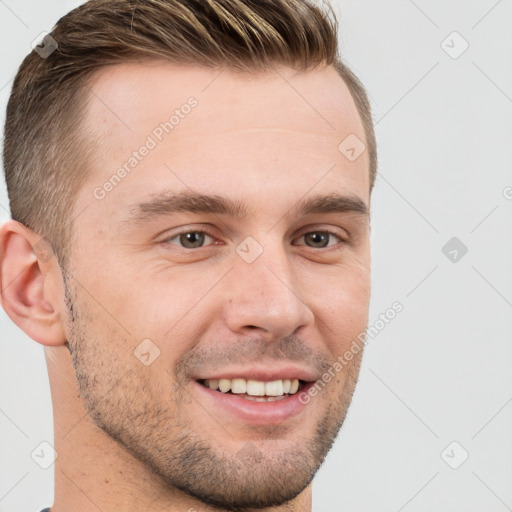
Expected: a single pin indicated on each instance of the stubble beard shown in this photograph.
(151, 426)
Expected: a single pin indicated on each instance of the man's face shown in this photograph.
(264, 281)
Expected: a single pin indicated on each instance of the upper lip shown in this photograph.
(262, 374)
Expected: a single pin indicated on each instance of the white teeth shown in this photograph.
(224, 385)
(255, 388)
(238, 386)
(274, 388)
(294, 386)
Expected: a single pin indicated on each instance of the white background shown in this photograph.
(441, 371)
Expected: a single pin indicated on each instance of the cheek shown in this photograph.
(148, 300)
(341, 304)
(169, 300)
(346, 320)
(172, 308)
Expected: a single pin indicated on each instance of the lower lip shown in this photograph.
(258, 413)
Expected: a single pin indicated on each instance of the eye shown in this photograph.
(320, 239)
(189, 239)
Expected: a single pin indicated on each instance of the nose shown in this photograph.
(265, 297)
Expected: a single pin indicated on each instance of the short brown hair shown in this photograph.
(45, 152)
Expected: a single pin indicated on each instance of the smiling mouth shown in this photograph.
(256, 390)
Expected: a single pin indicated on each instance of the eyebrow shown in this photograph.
(167, 203)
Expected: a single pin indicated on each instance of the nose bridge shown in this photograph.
(264, 291)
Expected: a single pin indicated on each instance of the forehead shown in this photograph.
(161, 125)
(119, 92)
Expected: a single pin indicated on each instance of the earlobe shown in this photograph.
(25, 273)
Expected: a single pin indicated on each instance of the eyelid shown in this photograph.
(189, 229)
(341, 240)
(342, 234)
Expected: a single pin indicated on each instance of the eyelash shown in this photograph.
(210, 234)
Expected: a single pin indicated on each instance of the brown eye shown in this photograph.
(320, 239)
(190, 239)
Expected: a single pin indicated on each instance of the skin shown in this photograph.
(131, 436)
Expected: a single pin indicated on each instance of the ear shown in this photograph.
(30, 292)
